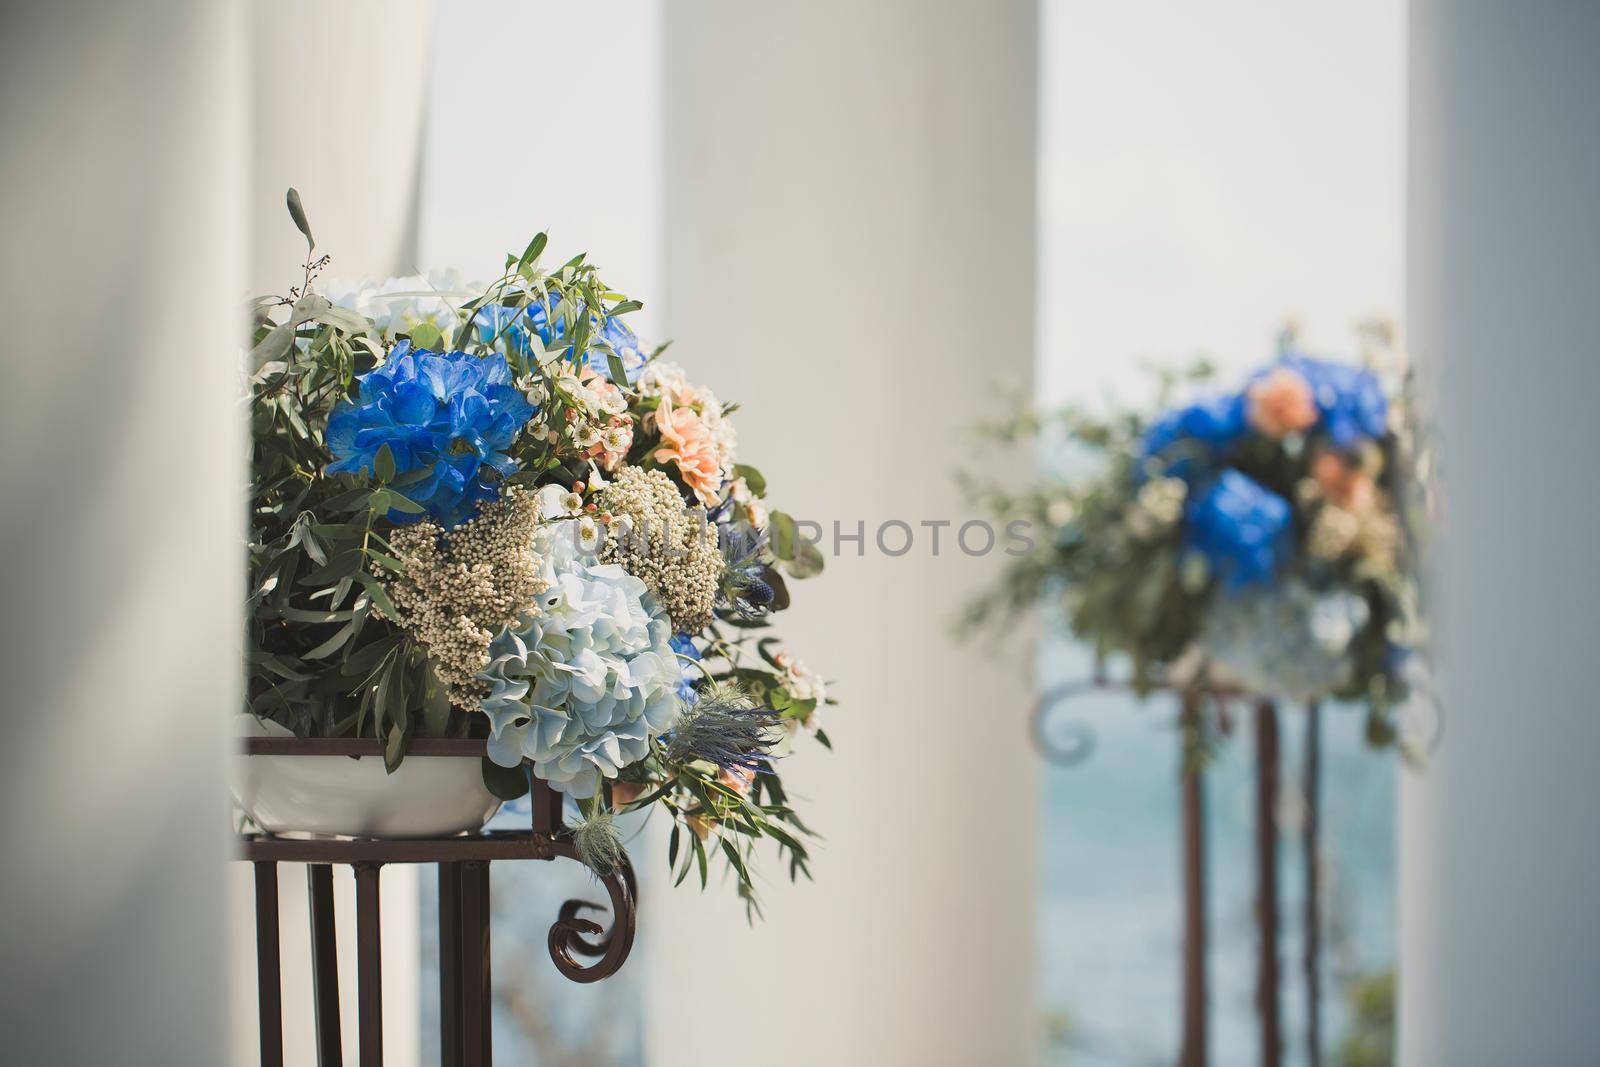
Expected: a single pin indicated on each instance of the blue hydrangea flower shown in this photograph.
(1241, 527)
(453, 415)
(1349, 398)
(1195, 432)
(544, 319)
(582, 687)
(683, 645)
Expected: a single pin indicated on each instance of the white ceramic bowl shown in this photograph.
(344, 796)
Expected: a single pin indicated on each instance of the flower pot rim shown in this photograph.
(357, 747)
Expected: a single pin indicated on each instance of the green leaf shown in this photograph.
(298, 214)
(405, 504)
(752, 477)
(435, 707)
(379, 597)
(388, 562)
(343, 319)
(619, 373)
(807, 561)
(383, 500)
(380, 698)
(334, 643)
(340, 566)
(395, 750)
(625, 307)
(784, 534)
(672, 846)
(274, 346)
(507, 783)
(535, 247)
(363, 660)
(427, 335)
(383, 464)
(734, 858)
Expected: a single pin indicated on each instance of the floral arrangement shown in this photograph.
(1248, 539)
(489, 512)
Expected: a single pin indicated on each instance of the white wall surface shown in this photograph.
(1500, 858)
(849, 254)
(121, 458)
(337, 113)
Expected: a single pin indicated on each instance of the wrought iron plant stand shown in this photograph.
(581, 949)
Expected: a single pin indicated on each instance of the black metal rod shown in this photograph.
(500, 845)
(1267, 907)
(357, 747)
(474, 965)
(269, 977)
(369, 965)
(546, 809)
(450, 1038)
(1313, 914)
(485, 984)
(1193, 1052)
(324, 965)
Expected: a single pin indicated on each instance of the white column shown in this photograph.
(339, 94)
(1500, 856)
(849, 212)
(121, 458)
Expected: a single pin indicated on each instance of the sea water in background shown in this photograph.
(1110, 893)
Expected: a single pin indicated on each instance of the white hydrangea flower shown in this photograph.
(582, 687)
(400, 305)
(1286, 640)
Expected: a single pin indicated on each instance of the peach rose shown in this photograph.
(1281, 404)
(738, 779)
(688, 442)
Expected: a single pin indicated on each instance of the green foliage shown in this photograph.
(323, 656)
(1369, 1040)
(1119, 575)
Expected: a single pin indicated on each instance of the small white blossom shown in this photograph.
(589, 534)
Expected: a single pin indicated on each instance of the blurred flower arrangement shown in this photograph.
(1248, 539)
(490, 513)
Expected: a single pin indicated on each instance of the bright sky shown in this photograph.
(1206, 171)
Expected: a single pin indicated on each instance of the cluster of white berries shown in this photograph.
(463, 586)
(1337, 532)
(670, 547)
